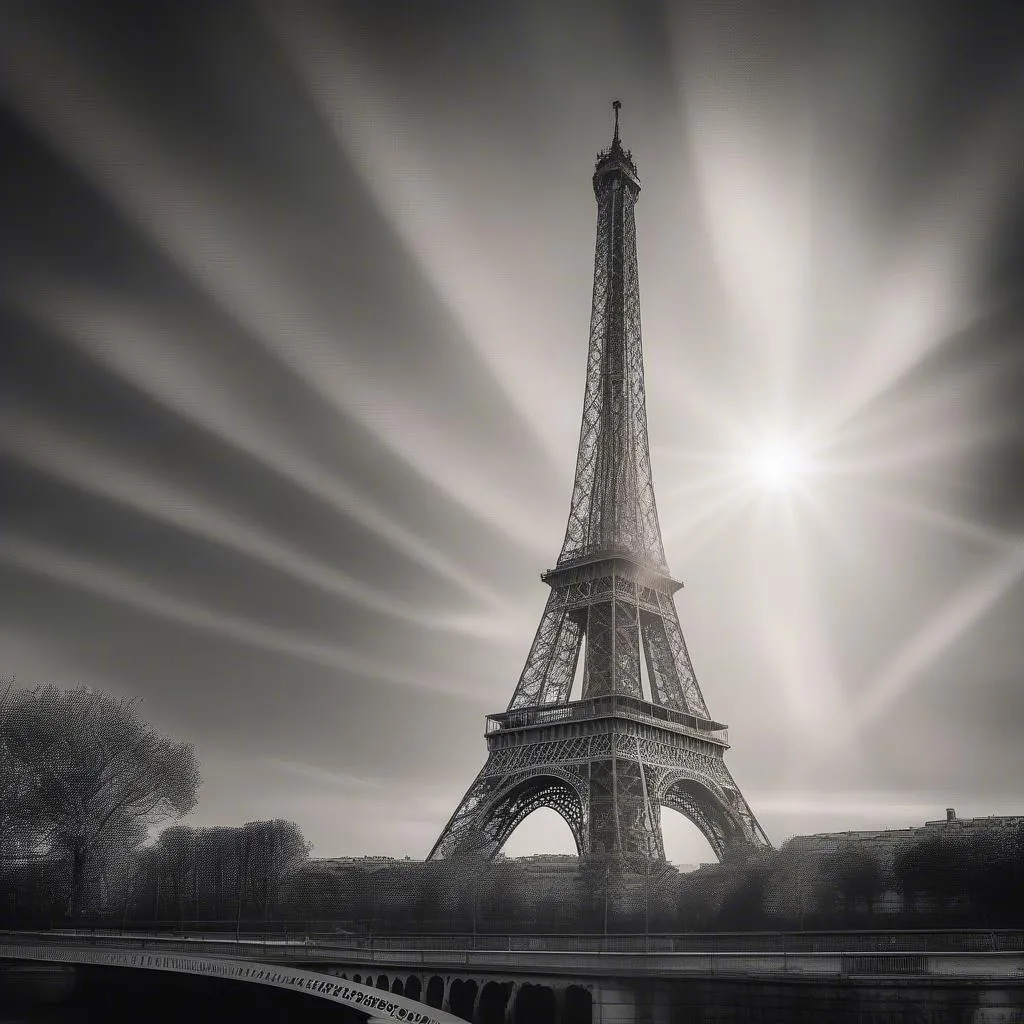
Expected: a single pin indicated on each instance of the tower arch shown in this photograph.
(543, 831)
(697, 801)
(495, 807)
(550, 788)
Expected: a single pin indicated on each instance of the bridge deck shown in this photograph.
(864, 962)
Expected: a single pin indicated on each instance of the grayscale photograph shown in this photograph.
(407, 616)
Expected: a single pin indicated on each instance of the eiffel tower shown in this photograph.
(609, 761)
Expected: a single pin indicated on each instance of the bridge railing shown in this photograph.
(293, 945)
(980, 941)
(367, 962)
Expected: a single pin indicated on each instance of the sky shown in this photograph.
(294, 306)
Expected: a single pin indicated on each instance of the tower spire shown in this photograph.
(616, 105)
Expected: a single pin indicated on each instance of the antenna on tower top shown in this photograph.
(616, 105)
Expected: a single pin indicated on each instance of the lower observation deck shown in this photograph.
(612, 706)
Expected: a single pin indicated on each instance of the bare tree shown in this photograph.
(20, 822)
(222, 864)
(278, 847)
(267, 852)
(176, 861)
(849, 872)
(102, 774)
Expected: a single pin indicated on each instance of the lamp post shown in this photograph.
(647, 904)
(607, 880)
(800, 890)
(476, 902)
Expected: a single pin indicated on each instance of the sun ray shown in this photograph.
(354, 107)
(930, 294)
(949, 523)
(39, 445)
(95, 578)
(794, 635)
(954, 617)
(703, 475)
(137, 353)
(964, 390)
(677, 528)
(818, 513)
(753, 164)
(920, 453)
(208, 232)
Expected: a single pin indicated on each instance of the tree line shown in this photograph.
(84, 780)
(954, 879)
(947, 878)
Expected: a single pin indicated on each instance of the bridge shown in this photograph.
(579, 979)
(238, 961)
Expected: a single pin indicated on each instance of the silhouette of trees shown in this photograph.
(699, 897)
(176, 862)
(218, 874)
(662, 894)
(599, 884)
(743, 905)
(791, 893)
(268, 851)
(21, 823)
(316, 891)
(848, 874)
(931, 872)
(432, 895)
(220, 846)
(97, 777)
(994, 877)
(504, 893)
(974, 874)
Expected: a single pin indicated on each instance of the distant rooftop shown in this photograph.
(950, 820)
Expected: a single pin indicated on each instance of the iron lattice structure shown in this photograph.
(609, 761)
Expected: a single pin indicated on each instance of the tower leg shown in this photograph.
(551, 664)
(705, 793)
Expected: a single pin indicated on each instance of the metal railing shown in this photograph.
(601, 707)
(562, 962)
(854, 942)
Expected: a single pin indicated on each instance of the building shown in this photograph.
(886, 844)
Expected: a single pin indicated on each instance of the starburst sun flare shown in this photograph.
(779, 464)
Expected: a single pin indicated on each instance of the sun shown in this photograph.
(779, 465)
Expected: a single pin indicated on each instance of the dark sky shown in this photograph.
(293, 319)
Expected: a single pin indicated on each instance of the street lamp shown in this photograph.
(607, 880)
(647, 903)
(476, 902)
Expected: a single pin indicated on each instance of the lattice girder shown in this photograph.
(551, 664)
(497, 803)
(712, 801)
(612, 505)
(619, 617)
(609, 787)
(706, 814)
